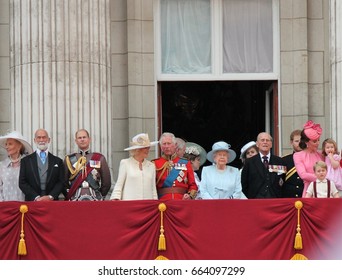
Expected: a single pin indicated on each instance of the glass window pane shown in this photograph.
(185, 36)
(247, 36)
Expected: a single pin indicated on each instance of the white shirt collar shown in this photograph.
(323, 181)
(38, 151)
(268, 156)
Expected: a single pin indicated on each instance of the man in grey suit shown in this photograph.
(41, 176)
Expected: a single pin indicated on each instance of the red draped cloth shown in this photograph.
(194, 230)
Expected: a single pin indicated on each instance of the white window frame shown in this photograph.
(217, 54)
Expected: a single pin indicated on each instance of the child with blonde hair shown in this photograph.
(332, 159)
(321, 187)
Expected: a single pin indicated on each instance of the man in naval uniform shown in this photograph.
(87, 173)
(174, 175)
(293, 185)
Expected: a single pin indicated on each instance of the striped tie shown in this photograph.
(265, 161)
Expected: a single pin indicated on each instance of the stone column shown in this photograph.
(60, 70)
(336, 69)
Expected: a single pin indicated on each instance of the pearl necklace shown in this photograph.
(15, 160)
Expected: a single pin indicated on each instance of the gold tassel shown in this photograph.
(298, 241)
(22, 245)
(162, 241)
(298, 244)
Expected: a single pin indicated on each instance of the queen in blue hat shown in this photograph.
(221, 181)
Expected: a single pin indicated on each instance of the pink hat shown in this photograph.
(312, 130)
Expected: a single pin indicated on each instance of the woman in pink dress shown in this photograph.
(306, 159)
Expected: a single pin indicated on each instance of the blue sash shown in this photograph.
(173, 174)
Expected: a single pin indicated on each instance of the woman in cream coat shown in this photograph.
(137, 175)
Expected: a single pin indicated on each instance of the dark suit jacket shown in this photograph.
(293, 185)
(29, 181)
(255, 177)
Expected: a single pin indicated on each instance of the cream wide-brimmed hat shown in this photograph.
(140, 141)
(221, 146)
(195, 149)
(246, 147)
(17, 136)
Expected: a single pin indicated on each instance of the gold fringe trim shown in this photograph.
(298, 257)
(22, 245)
(162, 241)
(161, 258)
(298, 244)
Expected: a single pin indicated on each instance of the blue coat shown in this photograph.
(217, 184)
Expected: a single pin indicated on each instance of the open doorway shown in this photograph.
(210, 111)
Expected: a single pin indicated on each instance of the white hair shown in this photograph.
(180, 143)
(168, 134)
